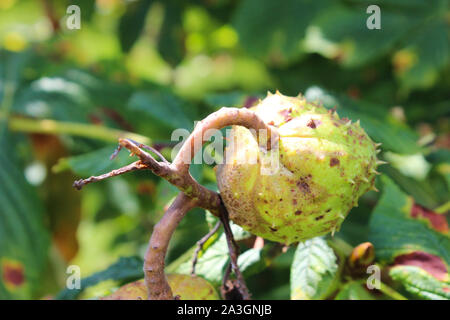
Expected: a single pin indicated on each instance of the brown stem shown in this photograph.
(138, 165)
(233, 249)
(193, 194)
(205, 198)
(218, 120)
(149, 148)
(225, 288)
(200, 244)
(155, 279)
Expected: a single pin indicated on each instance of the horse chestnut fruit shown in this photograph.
(324, 165)
(185, 286)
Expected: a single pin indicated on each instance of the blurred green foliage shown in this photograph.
(144, 68)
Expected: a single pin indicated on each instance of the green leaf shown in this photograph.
(103, 92)
(11, 68)
(422, 191)
(353, 290)
(429, 51)
(238, 232)
(215, 258)
(160, 106)
(93, 163)
(213, 262)
(126, 269)
(171, 39)
(414, 166)
(229, 99)
(24, 240)
(88, 9)
(313, 271)
(420, 283)
(54, 97)
(273, 29)
(252, 261)
(165, 194)
(351, 41)
(393, 231)
(132, 23)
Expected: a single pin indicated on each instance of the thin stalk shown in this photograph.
(390, 292)
(47, 126)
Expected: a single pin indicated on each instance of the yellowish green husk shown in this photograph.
(325, 165)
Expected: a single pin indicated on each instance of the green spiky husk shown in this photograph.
(326, 164)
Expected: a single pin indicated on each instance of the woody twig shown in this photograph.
(192, 193)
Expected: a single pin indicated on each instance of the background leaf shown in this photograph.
(161, 106)
(356, 44)
(425, 54)
(171, 40)
(420, 283)
(132, 23)
(24, 238)
(354, 291)
(274, 30)
(124, 270)
(313, 270)
(393, 231)
(94, 163)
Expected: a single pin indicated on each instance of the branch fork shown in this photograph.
(191, 195)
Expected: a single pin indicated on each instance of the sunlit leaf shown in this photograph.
(212, 263)
(420, 283)
(313, 270)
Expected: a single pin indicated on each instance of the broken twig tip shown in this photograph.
(78, 184)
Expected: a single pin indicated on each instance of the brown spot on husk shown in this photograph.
(334, 162)
(286, 113)
(304, 187)
(313, 123)
(303, 184)
(250, 102)
(344, 120)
